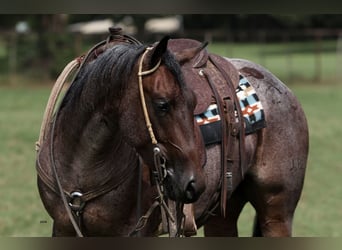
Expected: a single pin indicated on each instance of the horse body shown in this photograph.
(100, 139)
(276, 160)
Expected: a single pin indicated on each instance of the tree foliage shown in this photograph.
(48, 42)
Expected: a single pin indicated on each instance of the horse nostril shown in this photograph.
(190, 191)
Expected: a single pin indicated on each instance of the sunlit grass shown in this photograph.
(319, 212)
(21, 211)
(22, 214)
(288, 61)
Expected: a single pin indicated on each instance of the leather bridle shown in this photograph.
(159, 173)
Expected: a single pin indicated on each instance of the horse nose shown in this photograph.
(193, 190)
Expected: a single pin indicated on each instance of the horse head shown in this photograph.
(165, 112)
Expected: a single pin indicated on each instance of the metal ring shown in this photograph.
(73, 195)
(76, 194)
(156, 150)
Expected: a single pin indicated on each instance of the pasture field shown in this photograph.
(319, 212)
(22, 214)
(288, 61)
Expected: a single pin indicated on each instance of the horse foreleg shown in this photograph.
(256, 228)
(62, 231)
(53, 230)
(220, 226)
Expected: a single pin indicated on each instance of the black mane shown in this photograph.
(107, 75)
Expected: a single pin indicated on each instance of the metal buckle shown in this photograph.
(160, 163)
(229, 176)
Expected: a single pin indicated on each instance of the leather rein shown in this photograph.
(74, 202)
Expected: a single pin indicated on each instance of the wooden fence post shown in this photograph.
(12, 56)
(318, 61)
(339, 56)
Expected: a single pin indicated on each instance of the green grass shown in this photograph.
(320, 210)
(289, 61)
(21, 211)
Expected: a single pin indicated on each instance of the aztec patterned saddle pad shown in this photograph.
(252, 111)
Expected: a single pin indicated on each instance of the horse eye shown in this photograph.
(162, 106)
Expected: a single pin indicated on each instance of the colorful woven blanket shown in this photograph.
(252, 111)
(250, 105)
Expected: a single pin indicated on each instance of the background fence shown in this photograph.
(308, 55)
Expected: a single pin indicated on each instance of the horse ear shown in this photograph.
(159, 50)
(187, 54)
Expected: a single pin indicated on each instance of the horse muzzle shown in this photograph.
(186, 188)
(182, 179)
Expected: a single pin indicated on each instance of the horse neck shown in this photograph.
(88, 143)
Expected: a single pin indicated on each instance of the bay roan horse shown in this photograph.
(99, 148)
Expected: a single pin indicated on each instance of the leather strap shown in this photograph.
(232, 132)
(237, 129)
(221, 110)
